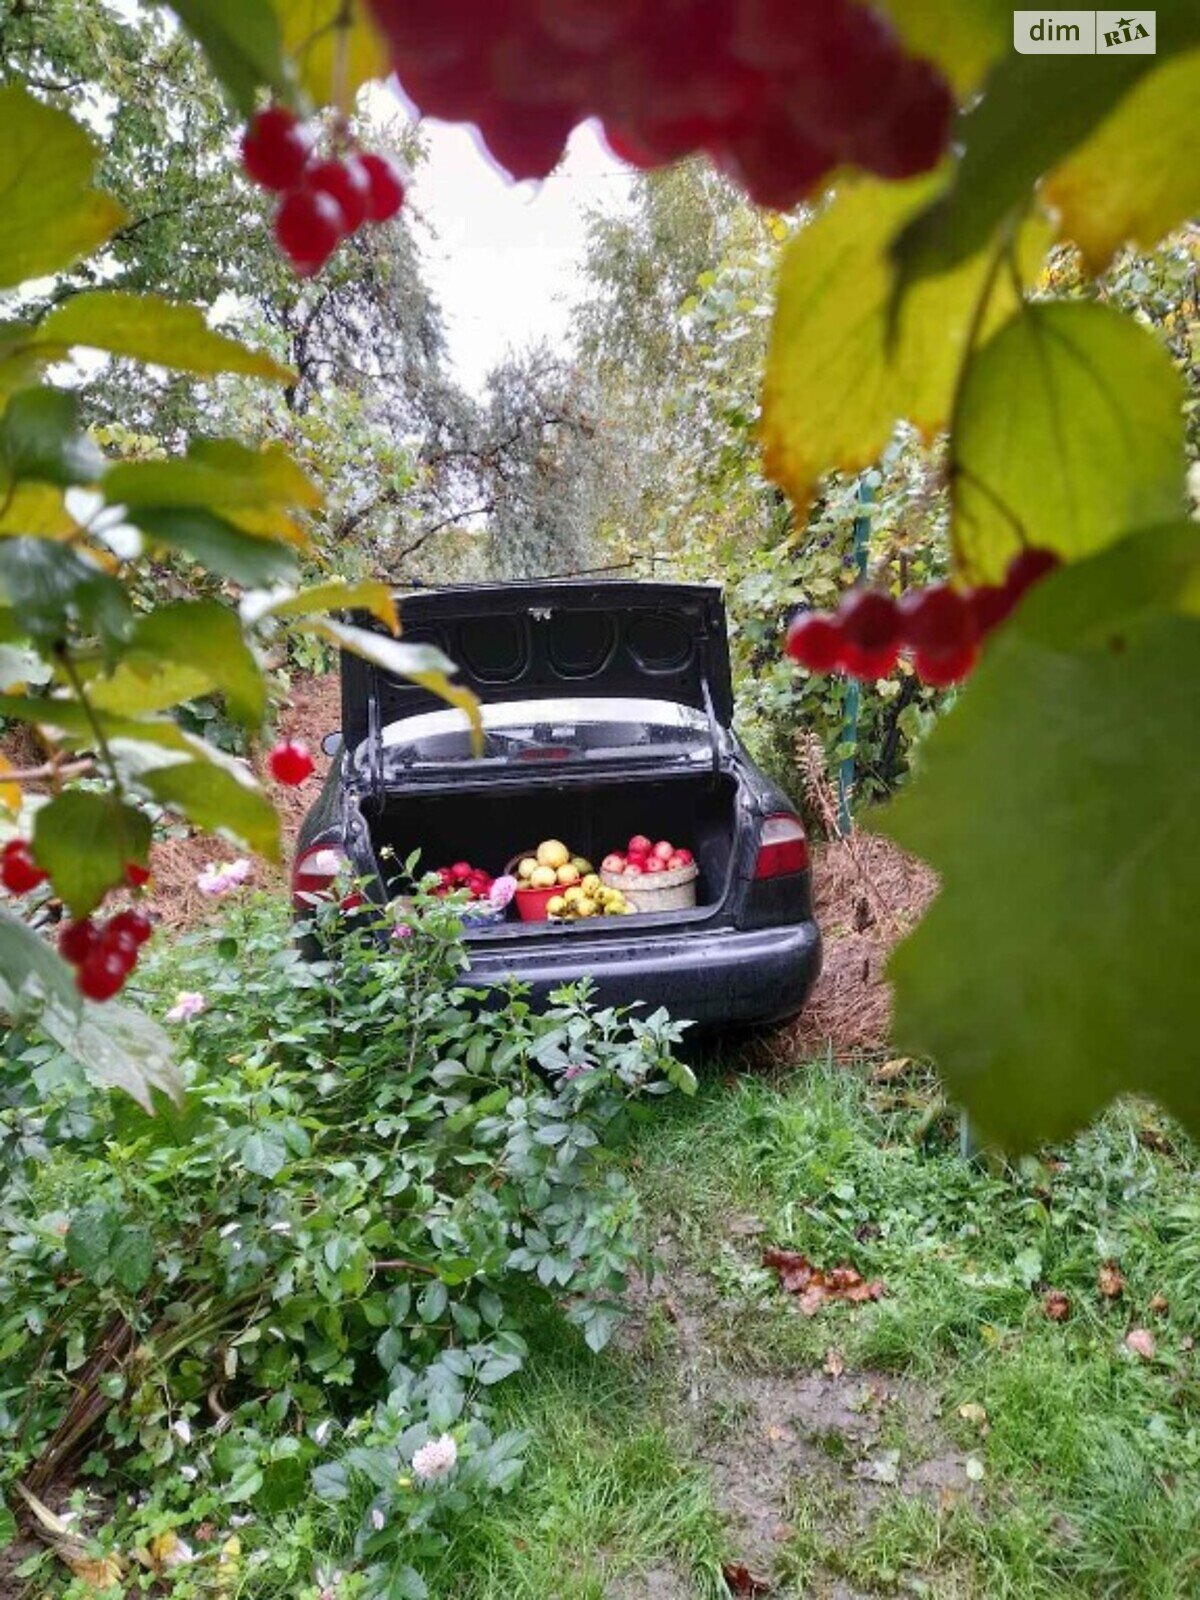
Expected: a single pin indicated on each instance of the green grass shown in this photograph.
(1090, 1456)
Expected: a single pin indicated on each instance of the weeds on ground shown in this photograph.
(266, 1326)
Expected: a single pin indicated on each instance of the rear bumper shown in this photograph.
(713, 977)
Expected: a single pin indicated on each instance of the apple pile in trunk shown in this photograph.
(462, 875)
(552, 866)
(642, 856)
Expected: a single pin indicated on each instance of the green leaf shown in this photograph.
(202, 643)
(69, 721)
(40, 439)
(84, 840)
(217, 545)
(90, 1238)
(49, 213)
(220, 798)
(265, 1153)
(242, 41)
(1035, 111)
(132, 1259)
(1070, 432)
(422, 663)
(117, 1047)
(1137, 177)
(218, 474)
(149, 328)
(50, 585)
(1057, 801)
(835, 385)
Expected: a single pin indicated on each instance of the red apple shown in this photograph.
(664, 850)
(445, 877)
(676, 862)
(685, 857)
(633, 869)
(639, 845)
(461, 871)
(613, 863)
(656, 864)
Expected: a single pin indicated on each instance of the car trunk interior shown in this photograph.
(489, 827)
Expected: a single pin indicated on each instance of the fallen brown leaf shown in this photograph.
(890, 1070)
(1141, 1342)
(798, 1276)
(834, 1364)
(976, 1415)
(1110, 1281)
(1056, 1305)
(1160, 1305)
(739, 1580)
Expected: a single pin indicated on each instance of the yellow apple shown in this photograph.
(553, 853)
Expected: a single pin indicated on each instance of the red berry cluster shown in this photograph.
(290, 762)
(104, 953)
(776, 92)
(19, 872)
(323, 201)
(942, 626)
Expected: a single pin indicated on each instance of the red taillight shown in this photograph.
(782, 847)
(315, 873)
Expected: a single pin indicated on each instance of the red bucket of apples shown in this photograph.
(653, 876)
(542, 875)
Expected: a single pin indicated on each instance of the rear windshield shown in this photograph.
(546, 731)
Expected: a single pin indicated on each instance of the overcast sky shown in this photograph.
(504, 259)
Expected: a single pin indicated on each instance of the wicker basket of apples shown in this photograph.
(652, 877)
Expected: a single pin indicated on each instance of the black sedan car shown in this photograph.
(608, 712)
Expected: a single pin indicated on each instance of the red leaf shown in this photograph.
(798, 1276)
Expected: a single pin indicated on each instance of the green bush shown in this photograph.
(323, 1259)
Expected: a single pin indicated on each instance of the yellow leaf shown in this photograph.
(835, 385)
(332, 58)
(99, 1573)
(963, 38)
(1138, 176)
(10, 793)
(341, 596)
(36, 510)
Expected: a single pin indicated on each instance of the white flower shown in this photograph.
(436, 1459)
(187, 1004)
(377, 1519)
(221, 879)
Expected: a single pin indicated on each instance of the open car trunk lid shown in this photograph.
(552, 640)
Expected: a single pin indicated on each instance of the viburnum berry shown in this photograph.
(991, 604)
(136, 876)
(938, 621)
(290, 762)
(102, 974)
(946, 668)
(385, 185)
(815, 641)
(276, 148)
(134, 923)
(870, 619)
(870, 626)
(347, 184)
(1030, 567)
(77, 940)
(19, 872)
(309, 226)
